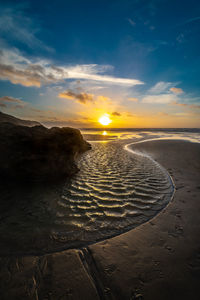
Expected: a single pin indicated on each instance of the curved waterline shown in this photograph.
(114, 191)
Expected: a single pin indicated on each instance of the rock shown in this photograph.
(38, 153)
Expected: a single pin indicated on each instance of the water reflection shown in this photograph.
(106, 135)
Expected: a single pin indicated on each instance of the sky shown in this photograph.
(70, 62)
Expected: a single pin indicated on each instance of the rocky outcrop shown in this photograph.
(5, 118)
(38, 153)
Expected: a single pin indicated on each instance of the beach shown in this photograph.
(159, 259)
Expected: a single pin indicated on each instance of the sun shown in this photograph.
(105, 120)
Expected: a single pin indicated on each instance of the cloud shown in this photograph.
(59, 120)
(176, 90)
(25, 77)
(131, 22)
(16, 26)
(162, 93)
(159, 99)
(186, 105)
(190, 20)
(20, 70)
(91, 72)
(14, 103)
(37, 110)
(133, 99)
(116, 114)
(152, 27)
(11, 99)
(82, 97)
(181, 114)
(160, 87)
(180, 38)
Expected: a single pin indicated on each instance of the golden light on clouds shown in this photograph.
(105, 120)
(176, 90)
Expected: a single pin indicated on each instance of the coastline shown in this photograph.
(159, 259)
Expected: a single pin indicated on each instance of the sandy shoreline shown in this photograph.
(157, 260)
(161, 258)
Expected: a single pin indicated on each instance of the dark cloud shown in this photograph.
(81, 97)
(116, 114)
(57, 69)
(33, 75)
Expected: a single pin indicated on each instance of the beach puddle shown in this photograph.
(114, 191)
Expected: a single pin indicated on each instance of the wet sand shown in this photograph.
(161, 258)
(157, 260)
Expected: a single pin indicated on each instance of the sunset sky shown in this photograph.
(67, 63)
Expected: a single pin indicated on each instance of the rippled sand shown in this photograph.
(114, 191)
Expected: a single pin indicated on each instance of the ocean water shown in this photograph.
(114, 191)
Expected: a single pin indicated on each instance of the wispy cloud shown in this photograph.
(181, 38)
(11, 102)
(131, 22)
(160, 87)
(159, 99)
(15, 25)
(186, 105)
(91, 72)
(162, 93)
(20, 70)
(182, 114)
(11, 99)
(190, 20)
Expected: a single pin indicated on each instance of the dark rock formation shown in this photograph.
(38, 153)
(5, 118)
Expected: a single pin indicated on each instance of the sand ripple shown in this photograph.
(114, 191)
